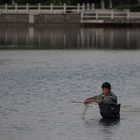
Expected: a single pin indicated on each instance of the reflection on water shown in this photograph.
(68, 37)
(102, 122)
(109, 122)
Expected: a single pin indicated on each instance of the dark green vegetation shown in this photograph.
(119, 4)
(133, 8)
(56, 2)
(71, 2)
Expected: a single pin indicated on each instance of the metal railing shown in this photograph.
(88, 12)
(108, 14)
(50, 9)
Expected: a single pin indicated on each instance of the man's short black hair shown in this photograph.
(106, 85)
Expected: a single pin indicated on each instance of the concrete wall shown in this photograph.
(57, 19)
(40, 18)
(16, 18)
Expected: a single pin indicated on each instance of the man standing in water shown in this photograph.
(107, 102)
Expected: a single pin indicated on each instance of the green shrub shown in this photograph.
(132, 8)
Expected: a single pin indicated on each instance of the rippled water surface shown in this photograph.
(37, 89)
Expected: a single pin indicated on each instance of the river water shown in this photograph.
(37, 87)
(68, 37)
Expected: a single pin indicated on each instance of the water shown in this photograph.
(68, 37)
(37, 88)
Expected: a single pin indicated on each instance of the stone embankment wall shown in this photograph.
(40, 18)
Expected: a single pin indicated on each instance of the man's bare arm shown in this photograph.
(92, 99)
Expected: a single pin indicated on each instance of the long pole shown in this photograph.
(81, 102)
(83, 116)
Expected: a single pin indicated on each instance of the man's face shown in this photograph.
(106, 91)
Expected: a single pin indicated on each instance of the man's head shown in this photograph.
(106, 87)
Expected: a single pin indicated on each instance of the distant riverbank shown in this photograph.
(83, 15)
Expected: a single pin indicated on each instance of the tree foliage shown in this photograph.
(69, 2)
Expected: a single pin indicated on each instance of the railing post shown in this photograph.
(92, 6)
(88, 6)
(51, 7)
(16, 8)
(97, 16)
(27, 7)
(83, 7)
(39, 5)
(6, 7)
(78, 8)
(112, 14)
(128, 14)
(64, 8)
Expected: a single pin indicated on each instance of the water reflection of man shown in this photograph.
(107, 102)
